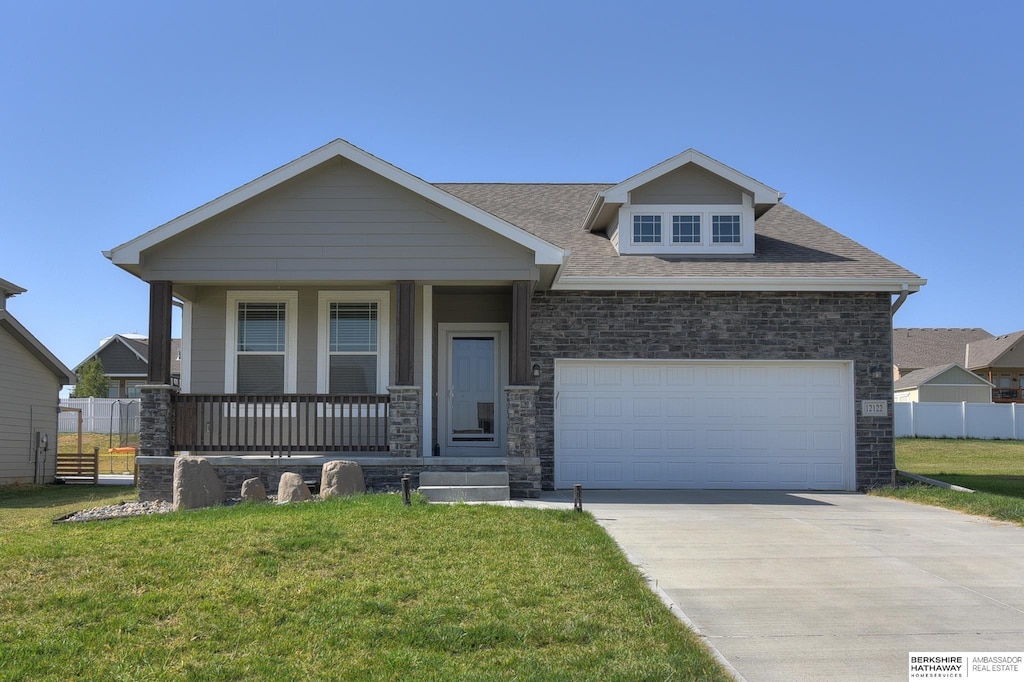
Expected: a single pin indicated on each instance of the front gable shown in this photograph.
(337, 222)
(232, 238)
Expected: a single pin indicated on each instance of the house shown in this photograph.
(682, 328)
(915, 348)
(1001, 360)
(951, 383)
(997, 359)
(125, 360)
(31, 378)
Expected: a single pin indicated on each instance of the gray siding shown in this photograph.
(338, 222)
(28, 404)
(117, 359)
(687, 185)
(209, 316)
(954, 394)
(956, 377)
(722, 326)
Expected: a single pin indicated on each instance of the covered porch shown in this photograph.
(447, 367)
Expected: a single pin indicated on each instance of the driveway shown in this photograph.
(816, 586)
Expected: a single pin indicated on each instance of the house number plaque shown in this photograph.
(874, 408)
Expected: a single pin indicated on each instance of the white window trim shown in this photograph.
(291, 315)
(323, 362)
(745, 211)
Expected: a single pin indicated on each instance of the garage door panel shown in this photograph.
(686, 424)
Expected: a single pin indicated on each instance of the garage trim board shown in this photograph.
(711, 424)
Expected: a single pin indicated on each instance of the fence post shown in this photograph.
(963, 413)
(913, 421)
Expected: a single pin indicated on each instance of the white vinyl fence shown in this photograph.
(959, 420)
(101, 415)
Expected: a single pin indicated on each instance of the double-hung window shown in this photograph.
(353, 342)
(261, 338)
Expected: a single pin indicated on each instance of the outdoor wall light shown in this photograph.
(536, 370)
(876, 372)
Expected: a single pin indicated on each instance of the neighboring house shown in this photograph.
(680, 329)
(125, 360)
(951, 383)
(997, 359)
(915, 348)
(31, 378)
(1001, 361)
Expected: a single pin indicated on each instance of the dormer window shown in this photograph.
(685, 229)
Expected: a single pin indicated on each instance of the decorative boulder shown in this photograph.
(341, 477)
(291, 488)
(254, 490)
(196, 484)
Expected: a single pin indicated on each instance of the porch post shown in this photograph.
(406, 332)
(160, 333)
(156, 413)
(520, 373)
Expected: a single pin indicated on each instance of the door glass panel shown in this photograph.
(473, 389)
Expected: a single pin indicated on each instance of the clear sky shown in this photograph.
(900, 124)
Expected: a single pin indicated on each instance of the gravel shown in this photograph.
(117, 511)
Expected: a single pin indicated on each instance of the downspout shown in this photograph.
(904, 292)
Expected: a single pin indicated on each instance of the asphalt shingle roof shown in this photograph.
(925, 374)
(918, 347)
(986, 351)
(787, 243)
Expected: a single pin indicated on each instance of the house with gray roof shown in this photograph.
(31, 378)
(125, 361)
(681, 328)
(999, 360)
(950, 383)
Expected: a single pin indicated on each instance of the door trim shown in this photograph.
(445, 330)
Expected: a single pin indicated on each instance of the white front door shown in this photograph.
(471, 373)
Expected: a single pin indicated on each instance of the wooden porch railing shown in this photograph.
(281, 424)
(79, 466)
(1007, 395)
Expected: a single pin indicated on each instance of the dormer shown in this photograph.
(688, 205)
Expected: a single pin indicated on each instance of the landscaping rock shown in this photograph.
(291, 488)
(341, 477)
(196, 484)
(254, 490)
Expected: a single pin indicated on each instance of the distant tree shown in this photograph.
(92, 382)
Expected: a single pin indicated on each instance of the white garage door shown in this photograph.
(704, 424)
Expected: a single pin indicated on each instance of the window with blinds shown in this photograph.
(260, 349)
(353, 348)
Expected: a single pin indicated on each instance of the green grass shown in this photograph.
(994, 468)
(358, 588)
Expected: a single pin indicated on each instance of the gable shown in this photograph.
(337, 222)
(119, 360)
(956, 376)
(689, 184)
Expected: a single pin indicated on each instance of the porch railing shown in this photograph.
(281, 424)
(1006, 395)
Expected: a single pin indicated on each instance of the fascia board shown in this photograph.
(34, 346)
(130, 252)
(763, 194)
(572, 283)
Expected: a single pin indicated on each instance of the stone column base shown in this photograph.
(405, 413)
(156, 421)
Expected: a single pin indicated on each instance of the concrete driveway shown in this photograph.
(823, 586)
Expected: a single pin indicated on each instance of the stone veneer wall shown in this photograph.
(405, 412)
(524, 471)
(156, 424)
(156, 474)
(722, 326)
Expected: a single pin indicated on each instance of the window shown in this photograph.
(686, 229)
(647, 229)
(133, 389)
(353, 342)
(261, 337)
(725, 229)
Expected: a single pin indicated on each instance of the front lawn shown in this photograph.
(344, 589)
(994, 468)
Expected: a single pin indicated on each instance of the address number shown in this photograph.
(874, 408)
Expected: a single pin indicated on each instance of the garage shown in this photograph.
(704, 424)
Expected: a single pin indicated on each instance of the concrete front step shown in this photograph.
(464, 478)
(465, 493)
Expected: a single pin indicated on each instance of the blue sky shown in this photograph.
(898, 124)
